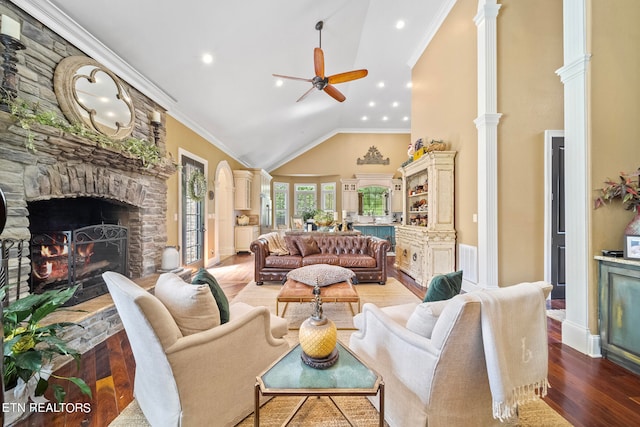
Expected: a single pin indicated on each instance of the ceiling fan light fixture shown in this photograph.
(322, 82)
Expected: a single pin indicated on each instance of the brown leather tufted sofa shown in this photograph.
(364, 255)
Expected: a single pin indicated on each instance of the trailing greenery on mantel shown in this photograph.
(29, 114)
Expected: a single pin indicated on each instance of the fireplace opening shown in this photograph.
(73, 241)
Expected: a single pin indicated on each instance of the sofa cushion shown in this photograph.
(444, 286)
(203, 277)
(292, 245)
(356, 260)
(308, 246)
(321, 259)
(283, 261)
(192, 306)
(425, 316)
(322, 274)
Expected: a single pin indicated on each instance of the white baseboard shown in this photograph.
(581, 339)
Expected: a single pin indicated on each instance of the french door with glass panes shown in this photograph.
(193, 214)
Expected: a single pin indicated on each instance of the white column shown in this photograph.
(487, 125)
(574, 76)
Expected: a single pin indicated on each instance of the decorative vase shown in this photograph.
(318, 337)
(170, 258)
(633, 228)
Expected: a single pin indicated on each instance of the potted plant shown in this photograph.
(627, 189)
(323, 219)
(30, 346)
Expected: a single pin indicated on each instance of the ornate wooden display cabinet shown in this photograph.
(426, 242)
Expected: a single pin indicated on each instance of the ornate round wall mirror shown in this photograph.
(91, 94)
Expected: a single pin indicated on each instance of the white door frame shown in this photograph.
(224, 185)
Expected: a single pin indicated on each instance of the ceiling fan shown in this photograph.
(322, 82)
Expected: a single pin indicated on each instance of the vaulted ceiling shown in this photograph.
(234, 101)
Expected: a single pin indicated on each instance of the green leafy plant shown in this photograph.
(627, 189)
(29, 346)
(306, 215)
(29, 114)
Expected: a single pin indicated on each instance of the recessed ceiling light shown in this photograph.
(409, 85)
(385, 118)
(394, 105)
(381, 84)
(405, 119)
(279, 82)
(207, 58)
(365, 118)
(400, 24)
(372, 104)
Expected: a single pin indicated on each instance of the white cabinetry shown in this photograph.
(245, 235)
(350, 195)
(425, 243)
(242, 180)
(397, 196)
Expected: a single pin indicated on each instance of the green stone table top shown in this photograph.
(348, 375)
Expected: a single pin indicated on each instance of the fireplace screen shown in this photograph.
(78, 257)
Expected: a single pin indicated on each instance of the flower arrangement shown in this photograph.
(627, 189)
(323, 219)
(29, 346)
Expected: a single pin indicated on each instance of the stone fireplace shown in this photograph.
(68, 186)
(57, 183)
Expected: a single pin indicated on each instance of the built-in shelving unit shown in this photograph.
(425, 243)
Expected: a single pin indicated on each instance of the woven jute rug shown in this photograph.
(320, 411)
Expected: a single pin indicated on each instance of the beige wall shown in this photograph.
(614, 112)
(179, 136)
(530, 98)
(444, 105)
(337, 158)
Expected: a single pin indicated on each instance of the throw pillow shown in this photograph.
(444, 286)
(323, 274)
(203, 277)
(424, 317)
(292, 245)
(192, 307)
(308, 246)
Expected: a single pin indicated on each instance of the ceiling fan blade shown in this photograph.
(291, 78)
(348, 76)
(305, 94)
(334, 93)
(318, 62)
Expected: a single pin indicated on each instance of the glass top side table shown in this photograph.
(289, 376)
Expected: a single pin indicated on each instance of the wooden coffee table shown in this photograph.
(294, 291)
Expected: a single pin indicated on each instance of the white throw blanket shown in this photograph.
(514, 335)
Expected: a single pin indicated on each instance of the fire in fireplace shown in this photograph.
(78, 257)
(62, 257)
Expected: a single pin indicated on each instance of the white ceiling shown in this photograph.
(234, 102)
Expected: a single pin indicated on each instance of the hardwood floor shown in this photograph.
(586, 391)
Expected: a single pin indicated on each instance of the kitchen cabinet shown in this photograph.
(244, 236)
(242, 180)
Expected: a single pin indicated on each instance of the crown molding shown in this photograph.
(61, 23)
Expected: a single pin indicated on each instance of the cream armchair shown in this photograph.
(436, 381)
(201, 379)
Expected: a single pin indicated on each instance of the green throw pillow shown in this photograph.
(444, 286)
(203, 277)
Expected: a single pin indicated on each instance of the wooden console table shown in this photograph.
(619, 304)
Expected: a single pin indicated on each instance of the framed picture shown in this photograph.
(632, 247)
(296, 223)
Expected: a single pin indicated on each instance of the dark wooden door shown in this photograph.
(557, 219)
